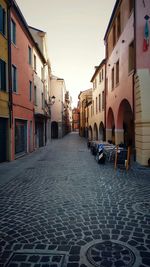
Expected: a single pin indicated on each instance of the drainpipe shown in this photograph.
(133, 78)
(10, 104)
(105, 100)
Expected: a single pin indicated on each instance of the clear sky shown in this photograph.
(75, 31)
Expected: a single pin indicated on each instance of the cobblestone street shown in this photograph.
(59, 208)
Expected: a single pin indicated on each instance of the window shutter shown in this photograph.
(4, 22)
(2, 75)
(1, 19)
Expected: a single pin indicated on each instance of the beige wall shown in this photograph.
(58, 89)
(98, 87)
(142, 116)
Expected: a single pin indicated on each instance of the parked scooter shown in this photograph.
(100, 156)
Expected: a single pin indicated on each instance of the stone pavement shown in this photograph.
(59, 208)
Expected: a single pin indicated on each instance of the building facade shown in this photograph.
(42, 72)
(85, 98)
(58, 109)
(119, 40)
(127, 77)
(75, 119)
(142, 81)
(4, 86)
(95, 111)
(22, 74)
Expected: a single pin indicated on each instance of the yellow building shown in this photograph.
(4, 96)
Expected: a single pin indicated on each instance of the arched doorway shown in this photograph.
(125, 121)
(101, 132)
(90, 133)
(54, 130)
(110, 133)
(95, 132)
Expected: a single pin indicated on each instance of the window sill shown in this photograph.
(117, 84)
(3, 91)
(131, 72)
(4, 35)
(14, 44)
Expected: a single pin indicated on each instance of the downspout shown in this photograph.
(105, 101)
(133, 78)
(9, 66)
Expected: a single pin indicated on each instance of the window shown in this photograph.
(35, 96)
(95, 83)
(96, 105)
(100, 77)
(91, 110)
(35, 62)
(102, 74)
(103, 100)
(131, 5)
(93, 106)
(2, 20)
(112, 78)
(30, 55)
(131, 56)
(118, 26)
(13, 32)
(114, 34)
(42, 101)
(42, 74)
(14, 79)
(2, 75)
(30, 90)
(100, 102)
(117, 72)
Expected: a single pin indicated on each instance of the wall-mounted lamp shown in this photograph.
(123, 41)
(52, 100)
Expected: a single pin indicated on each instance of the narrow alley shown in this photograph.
(59, 208)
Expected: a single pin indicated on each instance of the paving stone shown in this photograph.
(60, 200)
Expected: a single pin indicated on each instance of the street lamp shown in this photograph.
(52, 100)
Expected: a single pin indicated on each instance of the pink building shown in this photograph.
(22, 85)
(127, 77)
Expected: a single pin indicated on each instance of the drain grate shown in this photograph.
(109, 253)
(36, 259)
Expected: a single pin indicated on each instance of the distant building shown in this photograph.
(96, 109)
(59, 110)
(85, 98)
(75, 119)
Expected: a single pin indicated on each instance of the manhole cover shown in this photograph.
(32, 259)
(143, 207)
(110, 254)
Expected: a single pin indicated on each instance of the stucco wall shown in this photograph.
(22, 106)
(122, 90)
(142, 116)
(4, 111)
